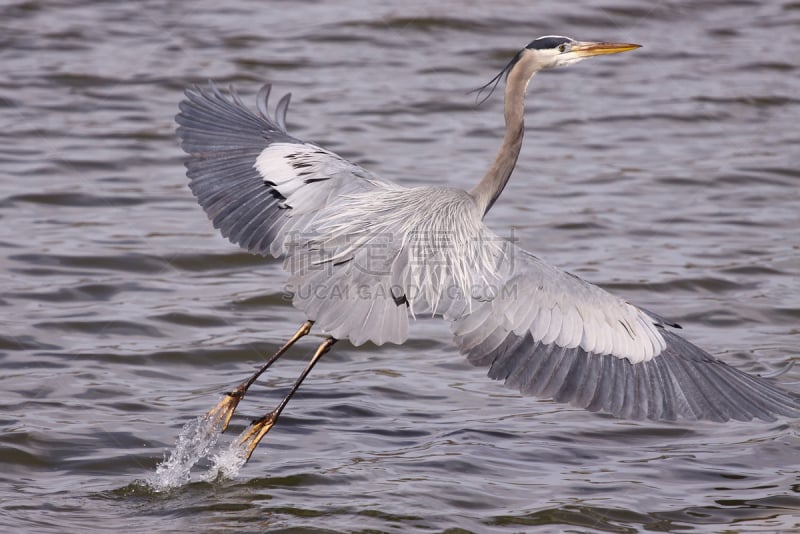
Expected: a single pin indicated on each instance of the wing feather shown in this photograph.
(552, 335)
(267, 192)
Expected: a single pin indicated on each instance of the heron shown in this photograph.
(365, 255)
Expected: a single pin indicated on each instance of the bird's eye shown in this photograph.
(562, 48)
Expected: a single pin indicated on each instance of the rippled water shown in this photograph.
(668, 175)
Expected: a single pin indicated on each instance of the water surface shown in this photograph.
(668, 175)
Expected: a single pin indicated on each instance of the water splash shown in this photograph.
(196, 440)
(228, 462)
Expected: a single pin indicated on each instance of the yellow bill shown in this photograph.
(588, 49)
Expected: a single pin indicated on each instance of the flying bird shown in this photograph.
(364, 255)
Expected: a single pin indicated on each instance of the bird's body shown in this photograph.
(384, 254)
(365, 255)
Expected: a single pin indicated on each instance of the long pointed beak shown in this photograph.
(588, 49)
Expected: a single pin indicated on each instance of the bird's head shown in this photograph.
(559, 51)
(554, 51)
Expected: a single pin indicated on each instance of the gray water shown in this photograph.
(668, 175)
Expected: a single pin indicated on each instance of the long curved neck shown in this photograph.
(496, 178)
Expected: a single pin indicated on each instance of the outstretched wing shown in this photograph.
(271, 194)
(553, 335)
(257, 183)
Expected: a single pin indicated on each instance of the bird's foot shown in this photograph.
(250, 439)
(220, 415)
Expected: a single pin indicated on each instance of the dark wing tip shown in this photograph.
(281, 109)
(262, 100)
(211, 121)
(683, 382)
(224, 138)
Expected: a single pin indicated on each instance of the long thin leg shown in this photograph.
(260, 427)
(221, 413)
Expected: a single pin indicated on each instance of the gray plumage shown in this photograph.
(363, 255)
